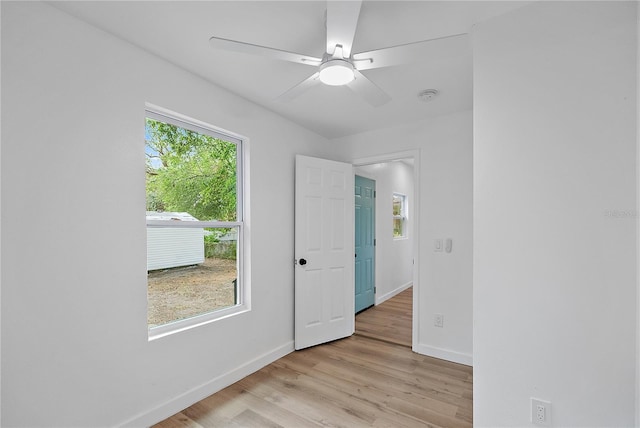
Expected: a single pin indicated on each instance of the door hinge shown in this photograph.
(375, 193)
(374, 242)
(375, 289)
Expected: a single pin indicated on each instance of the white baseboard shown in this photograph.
(387, 296)
(182, 401)
(444, 354)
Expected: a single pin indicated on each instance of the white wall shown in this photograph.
(394, 257)
(445, 198)
(74, 328)
(554, 220)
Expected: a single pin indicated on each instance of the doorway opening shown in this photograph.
(392, 319)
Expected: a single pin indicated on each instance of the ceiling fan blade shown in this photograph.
(300, 88)
(445, 47)
(342, 20)
(368, 90)
(248, 48)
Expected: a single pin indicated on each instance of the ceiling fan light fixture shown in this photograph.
(336, 72)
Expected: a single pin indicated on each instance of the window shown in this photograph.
(194, 223)
(399, 216)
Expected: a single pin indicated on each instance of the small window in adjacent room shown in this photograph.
(399, 216)
(194, 223)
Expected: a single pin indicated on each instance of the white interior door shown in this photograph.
(324, 251)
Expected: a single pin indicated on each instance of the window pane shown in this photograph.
(190, 172)
(397, 227)
(397, 205)
(191, 271)
(399, 215)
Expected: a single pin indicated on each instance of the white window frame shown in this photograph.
(402, 216)
(243, 295)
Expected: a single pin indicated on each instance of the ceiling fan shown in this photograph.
(339, 66)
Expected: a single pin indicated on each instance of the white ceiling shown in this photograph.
(179, 31)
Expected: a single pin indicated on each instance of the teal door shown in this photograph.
(364, 242)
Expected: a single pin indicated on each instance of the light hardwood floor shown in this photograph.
(391, 321)
(367, 379)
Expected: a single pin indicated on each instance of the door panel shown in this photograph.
(324, 282)
(364, 192)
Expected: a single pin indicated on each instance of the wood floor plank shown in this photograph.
(306, 398)
(268, 405)
(249, 418)
(390, 321)
(358, 388)
(179, 420)
(407, 387)
(420, 394)
(371, 379)
(361, 400)
(217, 409)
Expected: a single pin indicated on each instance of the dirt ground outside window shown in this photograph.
(184, 292)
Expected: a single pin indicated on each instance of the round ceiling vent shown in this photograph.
(427, 95)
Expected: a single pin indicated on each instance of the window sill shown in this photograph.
(197, 321)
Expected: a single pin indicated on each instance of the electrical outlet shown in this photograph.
(540, 412)
(438, 320)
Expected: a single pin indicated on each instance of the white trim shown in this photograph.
(415, 206)
(637, 220)
(0, 248)
(179, 326)
(169, 116)
(392, 293)
(186, 399)
(244, 252)
(389, 157)
(444, 354)
(194, 224)
(364, 174)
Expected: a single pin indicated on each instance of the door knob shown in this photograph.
(302, 262)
